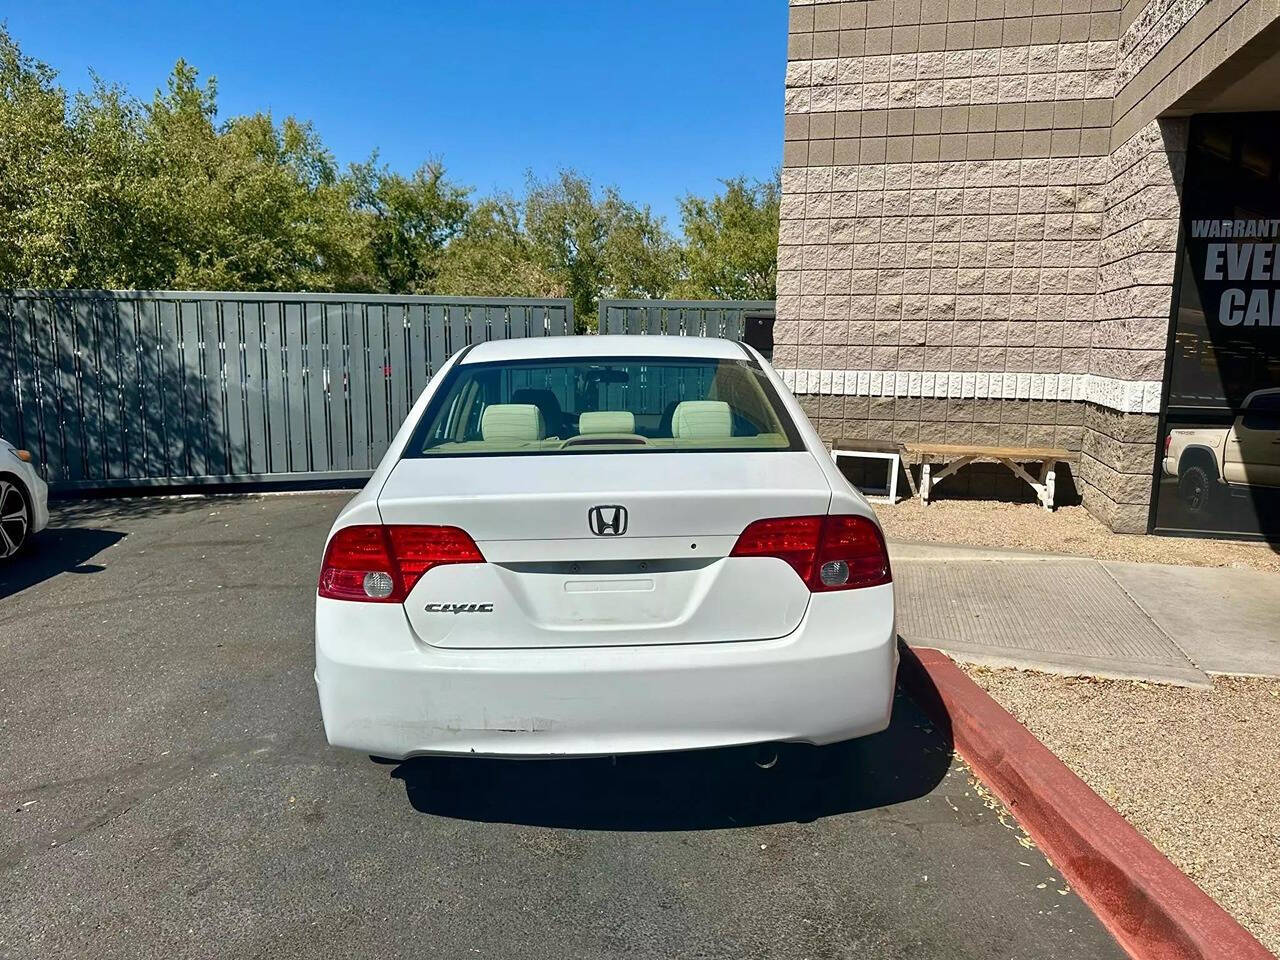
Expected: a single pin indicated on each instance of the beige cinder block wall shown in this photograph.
(1130, 336)
(979, 221)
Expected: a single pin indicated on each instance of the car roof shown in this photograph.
(1257, 394)
(542, 348)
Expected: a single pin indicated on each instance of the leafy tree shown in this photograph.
(112, 192)
(493, 256)
(731, 242)
(252, 204)
(596, 245)
(105, 190)
(566, 236)
(121, 213)
(35, 171)
(410, 221)
(641, 258)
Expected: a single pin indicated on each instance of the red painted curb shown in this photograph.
(1150, 906)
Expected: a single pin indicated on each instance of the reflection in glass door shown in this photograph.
(1220, 473)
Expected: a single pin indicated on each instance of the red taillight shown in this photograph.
(418, 549)
(858, 545)
(1168, 440)
(828, 552)
(356, 555)
(381, 564)
(793, 539)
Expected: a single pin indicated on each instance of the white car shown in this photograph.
(1210, 461)
(583, 546)
(24, 500)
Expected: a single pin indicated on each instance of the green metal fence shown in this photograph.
(113, 388)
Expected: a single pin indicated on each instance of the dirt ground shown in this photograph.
(1194, 770)
(1071, 530)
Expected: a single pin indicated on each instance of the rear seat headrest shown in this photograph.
(607, 421)
(544, 400)
(513, 422)
(702, 420)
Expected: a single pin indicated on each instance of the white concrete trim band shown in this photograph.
(1123, 396)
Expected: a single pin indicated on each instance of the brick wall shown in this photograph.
(980, 216)
(944, 196)
(944, 180)
(1138, 256)
(989, 422)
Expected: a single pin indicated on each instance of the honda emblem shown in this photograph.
(608, 520)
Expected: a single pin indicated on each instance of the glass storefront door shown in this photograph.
(1220, 469)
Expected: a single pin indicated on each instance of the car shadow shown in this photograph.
(55, 550)
(691, 790)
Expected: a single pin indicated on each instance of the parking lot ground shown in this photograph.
(167, 792)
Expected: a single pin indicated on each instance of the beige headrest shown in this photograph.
(512, 421)
(702, 420)
(607, 421)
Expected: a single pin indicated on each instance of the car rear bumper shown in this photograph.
(384, 693)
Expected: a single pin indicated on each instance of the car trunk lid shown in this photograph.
(550, 581)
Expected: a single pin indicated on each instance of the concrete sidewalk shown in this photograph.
(1074, 615)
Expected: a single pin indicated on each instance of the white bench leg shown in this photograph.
(924, 484)
(1045, 488)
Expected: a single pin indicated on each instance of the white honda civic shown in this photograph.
(604, 545)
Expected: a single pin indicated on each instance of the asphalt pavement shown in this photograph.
(167, 791)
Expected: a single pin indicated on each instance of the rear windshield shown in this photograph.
(597, 405)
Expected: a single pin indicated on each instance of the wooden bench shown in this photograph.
(956, 455)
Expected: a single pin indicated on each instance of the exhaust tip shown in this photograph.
(766, 756)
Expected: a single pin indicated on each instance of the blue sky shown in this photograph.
(660, 97)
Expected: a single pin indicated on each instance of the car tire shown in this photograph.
(15, 518)
(1195, 488)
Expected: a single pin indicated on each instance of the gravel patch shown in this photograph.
(1069, 530)
(1196, 771)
